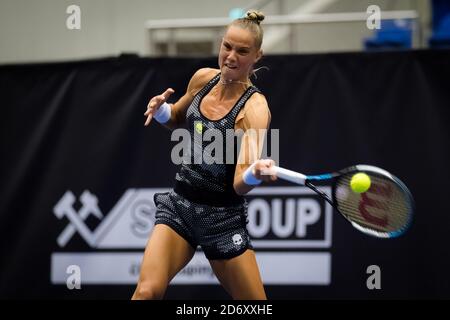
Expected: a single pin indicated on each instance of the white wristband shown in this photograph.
(162, 115)
(249, 178)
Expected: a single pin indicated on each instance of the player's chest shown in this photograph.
(215, 109)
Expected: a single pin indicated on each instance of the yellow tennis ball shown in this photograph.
(360, 182)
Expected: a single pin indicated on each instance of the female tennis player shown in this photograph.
(206, 207)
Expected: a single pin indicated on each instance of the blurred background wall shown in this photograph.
(36, 30)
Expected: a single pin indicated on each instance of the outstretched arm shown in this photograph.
(177, 111)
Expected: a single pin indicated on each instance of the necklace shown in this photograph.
(225, 82)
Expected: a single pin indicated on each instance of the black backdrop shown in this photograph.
(79, 125)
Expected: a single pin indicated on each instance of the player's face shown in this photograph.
(238, 54)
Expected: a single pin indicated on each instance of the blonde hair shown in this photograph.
(251, 21)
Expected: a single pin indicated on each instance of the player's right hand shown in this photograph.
(263, 170)
(155, 103)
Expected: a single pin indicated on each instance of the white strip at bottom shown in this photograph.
(277, 268)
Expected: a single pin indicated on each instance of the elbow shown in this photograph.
(237, 190)
(241, 188)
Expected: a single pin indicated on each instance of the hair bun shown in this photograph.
(255, 16)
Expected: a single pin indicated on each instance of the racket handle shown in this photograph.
(289, 175)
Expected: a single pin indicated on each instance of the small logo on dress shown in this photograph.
(237, 239)
(199, 127)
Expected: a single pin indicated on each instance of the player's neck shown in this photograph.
(230, 88)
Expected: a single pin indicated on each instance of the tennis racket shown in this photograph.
(385, 210)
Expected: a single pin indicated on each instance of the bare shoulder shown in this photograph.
(257, 106)
(200, 79)
(256, 113)
(257, 102)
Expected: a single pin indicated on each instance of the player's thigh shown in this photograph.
(165, 255)
(240, 276)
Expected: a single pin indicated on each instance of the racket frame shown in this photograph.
(299, 178)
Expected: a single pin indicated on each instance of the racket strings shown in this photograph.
(385, 207)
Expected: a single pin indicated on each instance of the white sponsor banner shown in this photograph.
(279, 218)
(305, 212)
(286, 268)
(130, 222)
